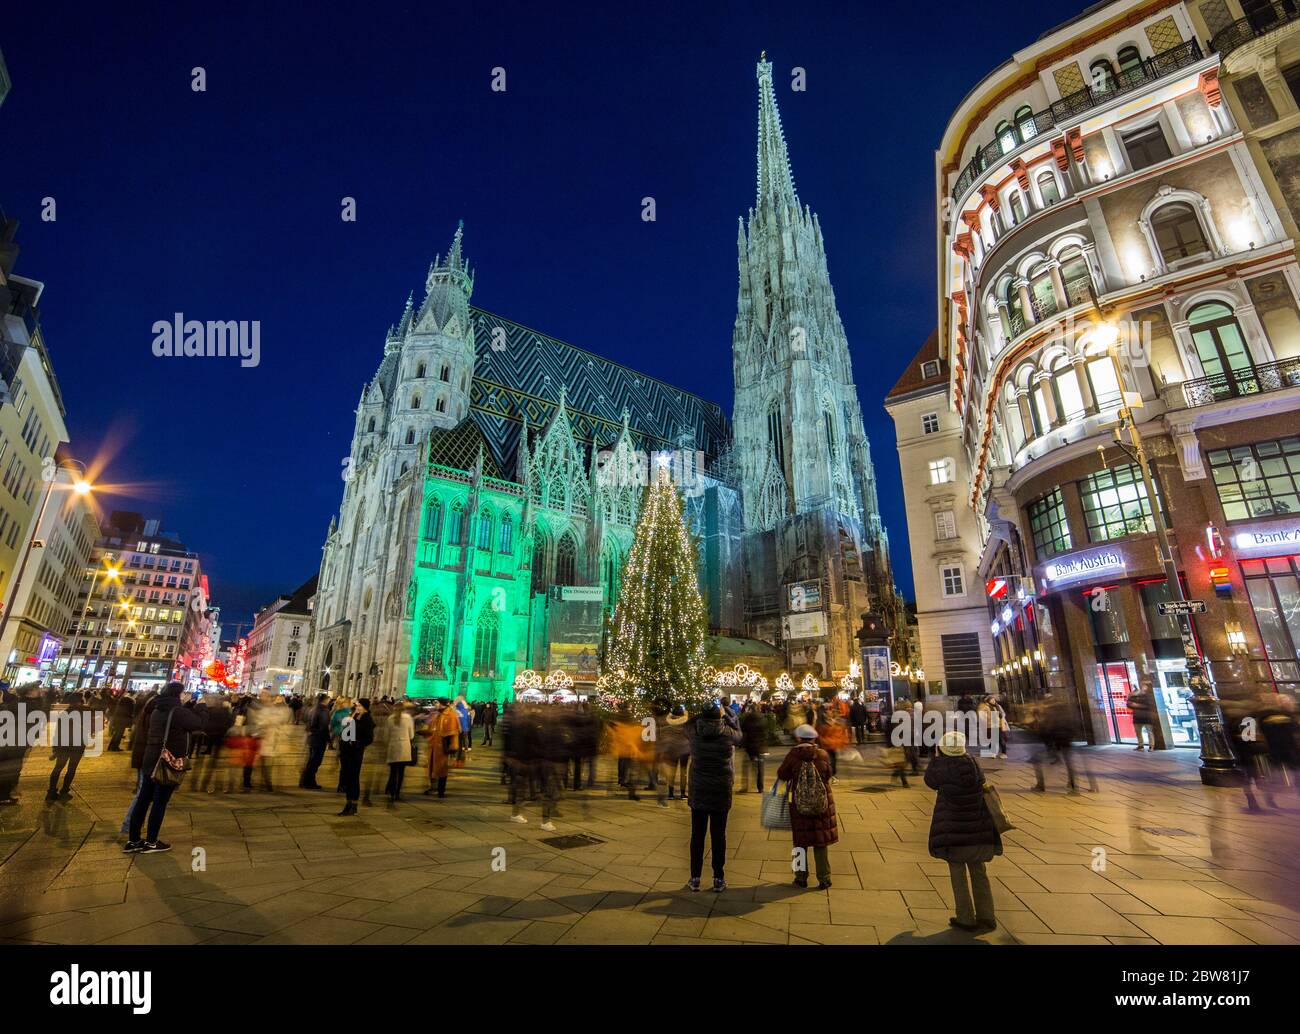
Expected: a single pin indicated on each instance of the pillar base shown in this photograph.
(1226, 777)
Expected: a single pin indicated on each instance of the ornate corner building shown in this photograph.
(496, 474)
(1126, 179)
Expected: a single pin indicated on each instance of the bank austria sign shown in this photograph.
(1277, 537)
(1077, 567)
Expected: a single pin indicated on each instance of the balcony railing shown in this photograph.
(1075, 104)
(1264, 20)
(1285, 373)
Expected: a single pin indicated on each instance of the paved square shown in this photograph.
(283, 868)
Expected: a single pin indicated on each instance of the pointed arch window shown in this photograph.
(432, 646)
(566, 560)
(410, 436)
(776, 436)
(440, 405)
(609, 568)
(445, 373)
(828, 422)
(485, 642)
(432, 519)
(506, 541)
(456, 524)
(415, 401)
(419, 370)
(485, 528)
(370, 426)
(540, 551)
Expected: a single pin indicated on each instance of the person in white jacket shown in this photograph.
(268, 721)
(401, 736)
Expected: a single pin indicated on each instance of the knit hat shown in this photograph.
(953, 744)
(711, 713)
(805, 732)
(678, 716)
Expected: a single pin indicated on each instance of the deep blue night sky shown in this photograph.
(225, 205)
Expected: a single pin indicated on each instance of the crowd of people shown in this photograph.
(233, 741)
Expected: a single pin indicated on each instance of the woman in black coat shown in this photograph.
(713, 737)
(153, 797)
(962, 831)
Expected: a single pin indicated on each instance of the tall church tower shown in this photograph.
(811, 514)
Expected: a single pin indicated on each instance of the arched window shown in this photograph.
(828, 421)
(1102, 74)
(370, 426)
(776, 436)
(410, 436)
(485, 528)
(415, 401)
(432, 646)
(1221, 347)
(1014, 309)
(1130, 60)
(432, 519)
(1077, 279)
(1025, 122)
(1017, 208)
(456, 524)
(507, 539)
(540, 550)
(609, 574)
(1105, 385)
(1006, 136)
(1178, 232)
(1042, 291)
(1048, 188)
(485, 642)
(419, 370)
(1069, 399)
(440, 406)
(445, 373)
(566, 560)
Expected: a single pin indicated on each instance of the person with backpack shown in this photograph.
(962, 832)
(806, 771)
(713, 736)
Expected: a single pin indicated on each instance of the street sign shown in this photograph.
(1182, 607)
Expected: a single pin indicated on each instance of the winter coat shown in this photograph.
(962, 829)
(672, 743)
(184, 722)
(753, 727)
(318, 724)
(810, 830)
(400, 734)
(217, 722)
(713, 748)
(362, 735)
(139, 731)
(444, 741)
(1141, 704)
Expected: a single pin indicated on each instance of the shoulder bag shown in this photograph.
(169, 769)
(775, 811)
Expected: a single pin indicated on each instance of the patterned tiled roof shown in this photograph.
(523, 380)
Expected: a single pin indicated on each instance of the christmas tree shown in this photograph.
(655, 651)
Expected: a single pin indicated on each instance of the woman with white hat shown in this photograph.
(807, 771)
(962, 832)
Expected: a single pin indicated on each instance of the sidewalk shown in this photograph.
(1154, 856)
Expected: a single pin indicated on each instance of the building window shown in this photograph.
(945, 524)
(432, 520)
(1178, 233)
(445, 373)
(441, 405)
(1146, 147)
(930, 369)
(1274, 591)
(940, 471)
(485, 529)
(1048, 188)
(415, 401)
(1102, 73)
(419, 370)
(1115, 504)
(1130, 60)
(1105, 386)
(410, 436)
(456, 525)
(930, 423)
(539, 561)
(1222, 350)
(776, 436)
(951, 575)
(1047, 522)
(433, 639)
(1260, 480)
(1017, 208)
(566, 557)
(485, 642)
(291, 660)
(507, 542)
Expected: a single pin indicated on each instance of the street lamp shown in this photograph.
(1217, 765)
(81, 487)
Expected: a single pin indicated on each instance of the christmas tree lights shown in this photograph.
(656, 645)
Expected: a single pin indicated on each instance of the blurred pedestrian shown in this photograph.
(806, 770)
(444, 731)
(123, 713)
(69, 729)
(753, 730)
(673, 754)
(713, 736)
(400, 750)
(489, 722)
(962, 832)
(1056, 723)
(832, 735)
(170, 724)
(318, 737)
(356, 733)
(1142, 703)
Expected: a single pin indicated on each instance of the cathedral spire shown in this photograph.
(775, 181)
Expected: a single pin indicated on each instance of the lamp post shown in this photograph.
(1217, 765)
(80, 487)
